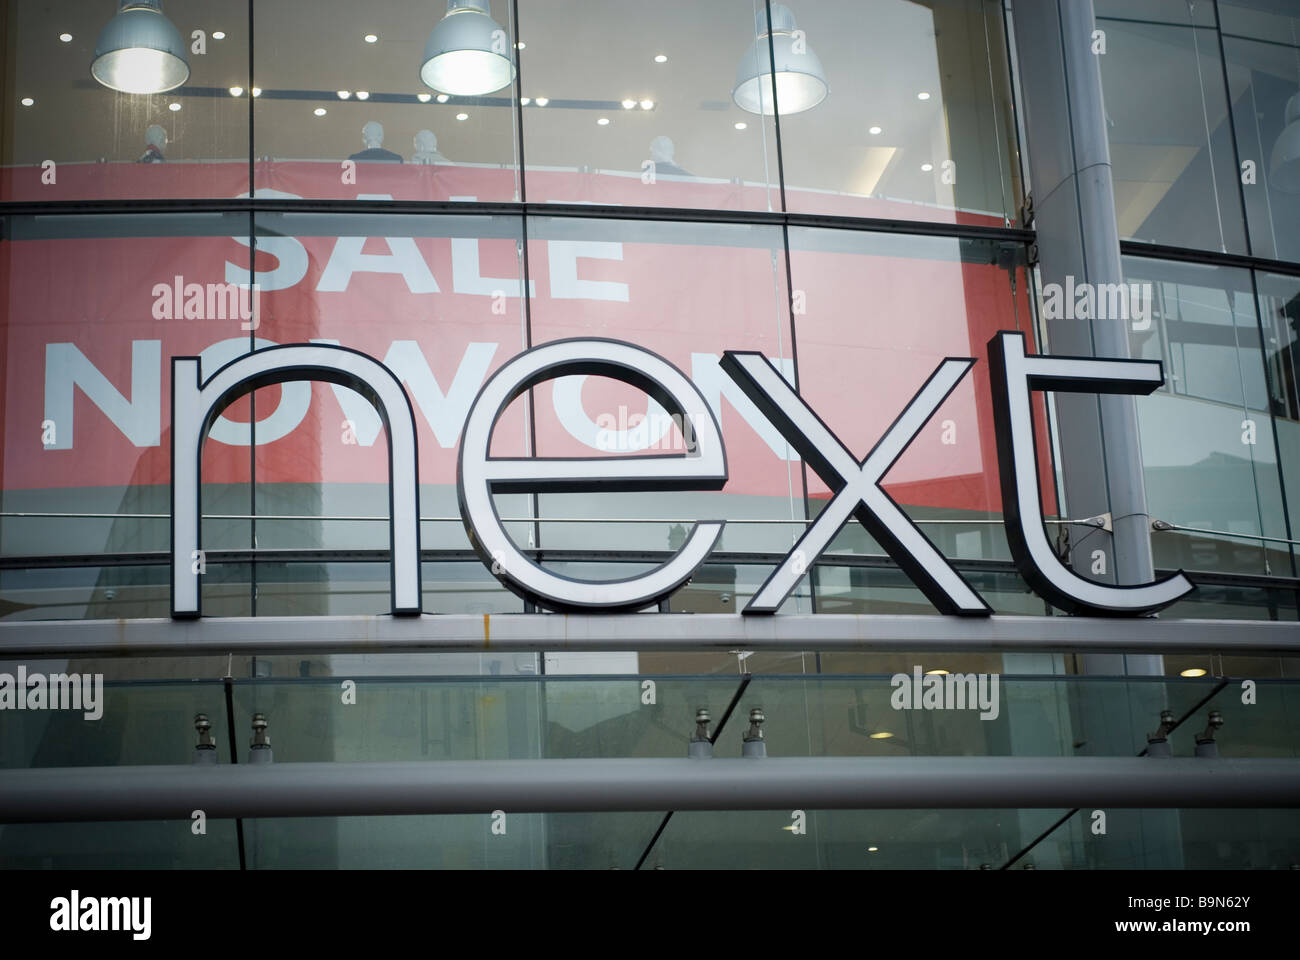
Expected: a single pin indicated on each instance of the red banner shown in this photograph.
(91, 325)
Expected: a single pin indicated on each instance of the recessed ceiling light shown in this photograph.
(520, 45)
(363, 94)
(65, 37)
(1193, 672)
(173, 107)
(218, 34)
(872, 849)
(462, 116)
(443, 98)
(424, 97)
(26, 101)
(319, 111)
(236, 91)
(525, 101)
(660, 58)
(603, 121)
(371, 38)
(923, 95)
(940, 672)
(629, 104)
(542, 101)
(873, 131)
(344, 94)
(257, 91)
(647, 104)
(882, 735)
(741, 124)
(927, 167)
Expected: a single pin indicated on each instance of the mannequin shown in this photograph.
(372, 135)
(426, 148)
(155, 139)
(661, 152)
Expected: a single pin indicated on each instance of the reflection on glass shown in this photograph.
(1171, 135)
(1208, 444)
(917, 124)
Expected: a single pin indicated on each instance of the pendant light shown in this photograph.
(800, 80)
(140, 50)
(468, 54)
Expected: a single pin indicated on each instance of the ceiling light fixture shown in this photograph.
(1193, 672)
(874, 131)
(236, 91)
(319, 111)
(660, 58)
(173, 107)
(525, 101)
(443, 98)
(257, 91)
(65, 37)
(542, 101)
(344, 94)
(927, 167)
(882, 735)
(462, 116)
(218, 34)
(741, 124)
(466, 52)
(371, 38)
(424, 97)
(629, 104)
(923, 95)
(26, 101)
(647, 104)
(363, 94)
(140, 50)
(603, 121)
(800, 80)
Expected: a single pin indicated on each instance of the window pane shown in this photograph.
(357, 119)
(918, 122)
(1171, 147)
(68, 135)
(1208, 449)
(607, 121)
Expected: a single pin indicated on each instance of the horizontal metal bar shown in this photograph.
(528, 632)
(1158, 251)
(224, 791)
(583, 211)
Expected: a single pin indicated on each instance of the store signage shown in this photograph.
(702, 465)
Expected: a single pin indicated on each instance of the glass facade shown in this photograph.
(637, 173)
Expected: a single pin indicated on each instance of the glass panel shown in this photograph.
(632, 103)
(1264, 78)
(686, 292)
(1208, 446)
(918, 124)
(86, 116)
(361, 117)
(1279, 312)
(875, 316)
(95, 307)
(442, 295)
(1171, 143)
